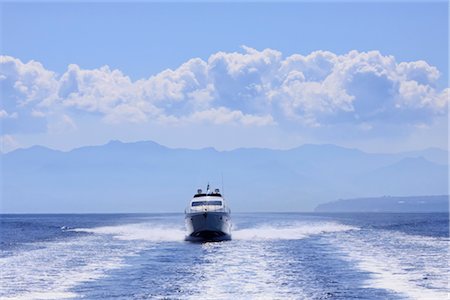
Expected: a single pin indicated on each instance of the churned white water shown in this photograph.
(270, 256)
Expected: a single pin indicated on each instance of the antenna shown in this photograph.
(223, 191)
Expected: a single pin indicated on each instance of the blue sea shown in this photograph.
(270, 256)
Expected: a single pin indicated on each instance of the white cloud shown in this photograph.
(24, 87)
(37, 114)
(99, 90)
(31, 82)
(4, 114)
(223, 115)
(137, 113)
(61, 124)
(314, 67)
(252, 88)
(8, 143)
(419, 71)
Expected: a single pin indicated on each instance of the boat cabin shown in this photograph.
(211, 200)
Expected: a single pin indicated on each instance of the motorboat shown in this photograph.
(207, 217)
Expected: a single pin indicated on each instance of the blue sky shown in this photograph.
(370, 75)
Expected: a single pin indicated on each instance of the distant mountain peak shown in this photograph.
(130, 144)
(35, 148)
(114, 142)
(414, 160)
(435, 203)
(326, 146)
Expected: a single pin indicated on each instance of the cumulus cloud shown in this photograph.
(25, 83)
(104, 91)
(249, 88)
(23, 88)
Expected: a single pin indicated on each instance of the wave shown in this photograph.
(50, 271)
(293, 231)
(171, 232)
(139, 231)
(410, 265)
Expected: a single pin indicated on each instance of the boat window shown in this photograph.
(199, 203)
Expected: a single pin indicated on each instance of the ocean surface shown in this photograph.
(270, 256)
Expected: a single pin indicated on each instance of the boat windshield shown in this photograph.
(200, 203)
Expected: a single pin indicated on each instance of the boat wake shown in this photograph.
(293, 231)
(140, 231)
(52, 269)
(409, 265)
(266, 259)
(158, 233)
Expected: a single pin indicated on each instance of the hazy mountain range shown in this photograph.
(148, 177)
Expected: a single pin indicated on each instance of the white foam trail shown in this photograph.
(168, 233)
(52, 270)
(249, 268)
(414, 266)
(50, 295)
(294, 231)
(236, 270)
(140, 231)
